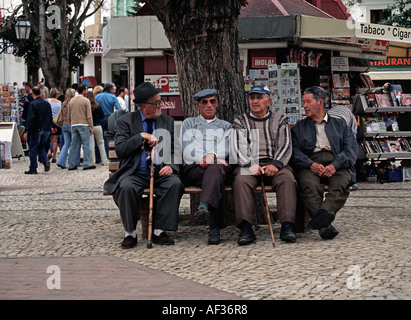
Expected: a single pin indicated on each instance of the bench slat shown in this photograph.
(197, 190)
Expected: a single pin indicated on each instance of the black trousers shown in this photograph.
(168, 191)
(212, 181)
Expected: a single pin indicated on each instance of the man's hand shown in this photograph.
(270, 170)
(256, 170)
(221, 161)
(165, 171)
(149, 138)
(321, 171)
(329, 171)
(317, 168)
(208, 159)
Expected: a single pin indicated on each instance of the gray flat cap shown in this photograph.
(205, 93)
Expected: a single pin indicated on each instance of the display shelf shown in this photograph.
(388, 134)
(389, 155)
(387, 109)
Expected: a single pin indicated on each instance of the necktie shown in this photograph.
(146, 147)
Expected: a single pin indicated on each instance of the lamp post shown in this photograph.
(23, 28)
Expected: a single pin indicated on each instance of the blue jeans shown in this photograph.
(62, 160)
(39, 142)
(79, 134)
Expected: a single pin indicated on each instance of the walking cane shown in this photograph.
(150, 204)
(268, 211)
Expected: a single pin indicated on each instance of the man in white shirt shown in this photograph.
(120, 97)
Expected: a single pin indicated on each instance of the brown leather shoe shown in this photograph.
(129, 242)
(163, 239)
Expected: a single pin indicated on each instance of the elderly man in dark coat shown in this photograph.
(138, 132)
(324, 153)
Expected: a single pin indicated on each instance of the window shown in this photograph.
(124, 8)
(119, 74)
(378, 15)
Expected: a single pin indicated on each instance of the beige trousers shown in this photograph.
(284, 185)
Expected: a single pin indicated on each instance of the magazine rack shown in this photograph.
(382, 143)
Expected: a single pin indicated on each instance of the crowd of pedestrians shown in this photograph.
(67, 128)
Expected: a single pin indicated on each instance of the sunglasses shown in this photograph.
(204, 102)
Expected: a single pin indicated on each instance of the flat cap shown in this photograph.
(205, 93)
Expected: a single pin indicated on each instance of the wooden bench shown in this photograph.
(302, 216)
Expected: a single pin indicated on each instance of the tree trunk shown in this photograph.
(204, 39)
(203, 35)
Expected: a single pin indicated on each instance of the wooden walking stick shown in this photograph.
(150, 204)
(268, 211)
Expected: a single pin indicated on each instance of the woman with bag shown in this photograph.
(98, 115)
(62, 118)
(55, 129)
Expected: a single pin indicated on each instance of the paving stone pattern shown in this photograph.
(61, 218)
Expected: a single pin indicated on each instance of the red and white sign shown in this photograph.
(169, 105)
(263, 62)
(95, 45)
(168, 83)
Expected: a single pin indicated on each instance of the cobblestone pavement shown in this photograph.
(64, 214)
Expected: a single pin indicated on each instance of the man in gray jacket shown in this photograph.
(137, 132)
(324, 153)
(205, 146)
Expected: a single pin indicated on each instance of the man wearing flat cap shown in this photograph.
(205, 146)
(137, 133)
(261, 144)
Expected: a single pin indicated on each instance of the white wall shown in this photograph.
(12, 71)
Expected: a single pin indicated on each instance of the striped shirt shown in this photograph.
(261, 141)
(343, 112)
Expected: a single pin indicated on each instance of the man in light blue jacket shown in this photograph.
(109, 103)
(205, 146)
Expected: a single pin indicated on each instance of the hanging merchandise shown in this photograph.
(10, 110)
(284, 84)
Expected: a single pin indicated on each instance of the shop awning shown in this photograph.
(89, 81)
(389, 75)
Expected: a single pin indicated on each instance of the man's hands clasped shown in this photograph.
(321, 171)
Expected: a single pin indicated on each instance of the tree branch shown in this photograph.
(9, 19)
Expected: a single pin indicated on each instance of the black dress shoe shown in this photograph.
(287, 232)
(62, 167)
(74, 168)
(163, 239)
(129, 242)
(328, 233)
(321, 219)
(214, 236)
(201, 213)
(30, 172)
(89, 168)
(46, 166)
(246, 237)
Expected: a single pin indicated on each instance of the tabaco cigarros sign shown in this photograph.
(379, 31)
(375, 31)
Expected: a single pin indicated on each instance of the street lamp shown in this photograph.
(23, 28)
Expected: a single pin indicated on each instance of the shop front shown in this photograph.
(312, 51)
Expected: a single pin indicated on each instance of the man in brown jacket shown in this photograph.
(81, 124)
